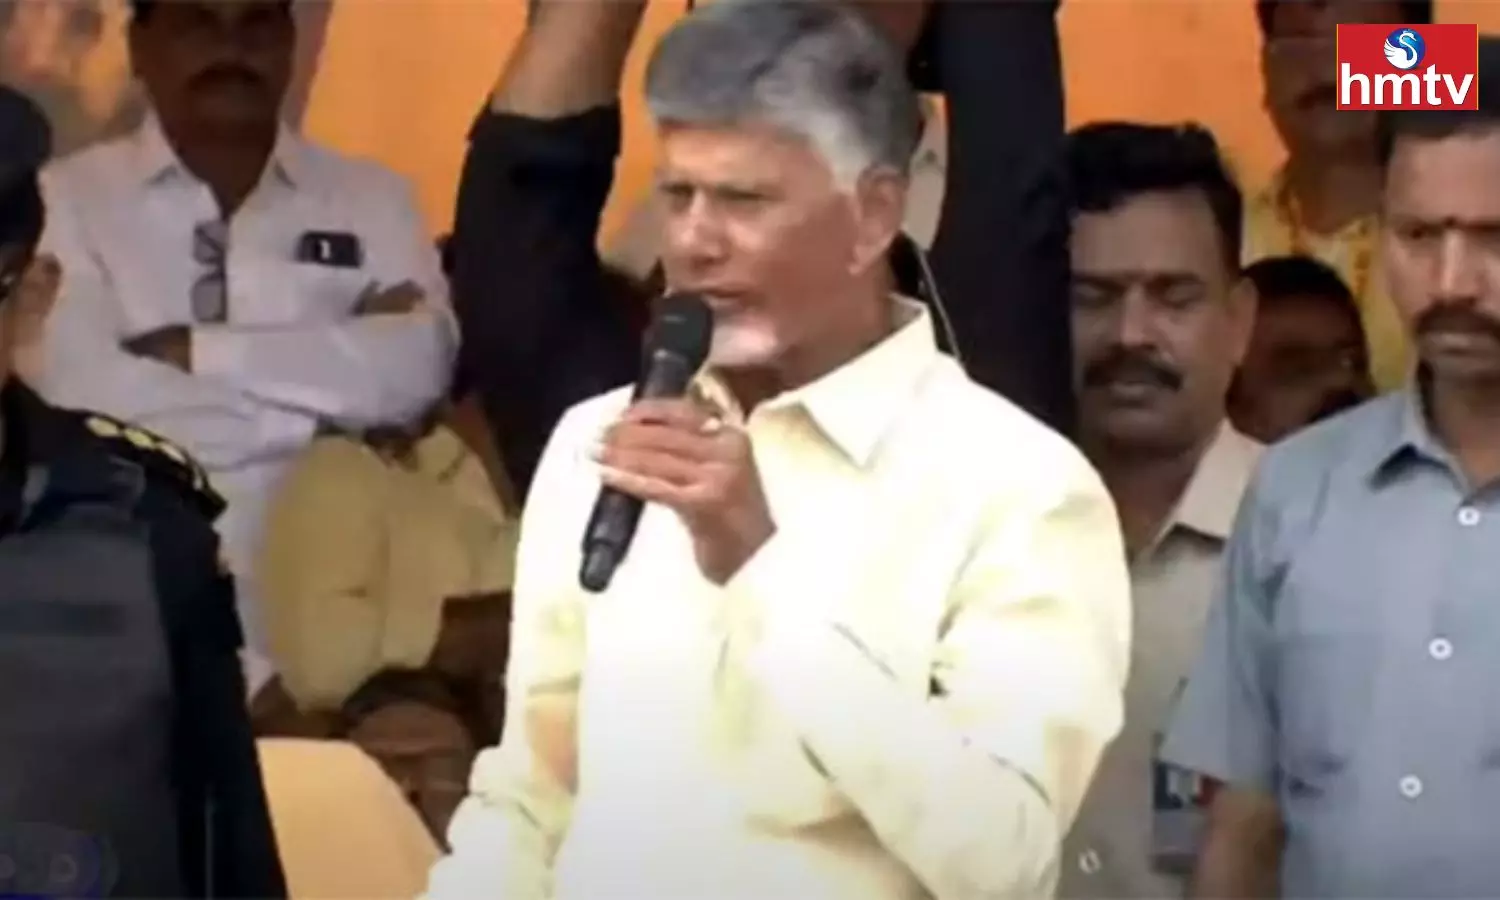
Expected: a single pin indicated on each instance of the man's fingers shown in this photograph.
(679, 413)
(656, 465)
(694, 445)
(643, 487)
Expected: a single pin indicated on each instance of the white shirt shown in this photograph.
(903, 694)
(121, 217)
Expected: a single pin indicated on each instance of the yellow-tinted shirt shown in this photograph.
(360, 552)
(1353, 252)
(903, 694)
(376, 849)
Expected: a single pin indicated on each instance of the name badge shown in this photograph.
(1179, 815)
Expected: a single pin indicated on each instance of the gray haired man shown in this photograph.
(850, 655)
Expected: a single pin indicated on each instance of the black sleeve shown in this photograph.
(541, 331)
(229, 845)
(1000, 255)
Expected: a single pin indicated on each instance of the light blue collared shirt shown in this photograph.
(1351, 661)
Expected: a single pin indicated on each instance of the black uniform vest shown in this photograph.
(88, 805)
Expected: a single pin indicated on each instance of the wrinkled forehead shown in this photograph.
(741, 153)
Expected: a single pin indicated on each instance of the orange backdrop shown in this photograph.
(400, 80)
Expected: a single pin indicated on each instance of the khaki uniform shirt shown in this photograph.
(903, 694)
(360, 552)
(375, 849)
(1125, 845)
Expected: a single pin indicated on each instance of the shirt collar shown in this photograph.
(1404, 433)
(1212, 498)
(440, 453)
(855, 405)
(156, 160)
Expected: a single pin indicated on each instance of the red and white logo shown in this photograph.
(1408, 66)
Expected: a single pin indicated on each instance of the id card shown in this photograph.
(1179, 814)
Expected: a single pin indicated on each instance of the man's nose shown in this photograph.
(1134, 323)
(696, 233)
(1460, 268)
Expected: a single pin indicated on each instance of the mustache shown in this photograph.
(1457, 319)
(225, 74)
(1121, 363)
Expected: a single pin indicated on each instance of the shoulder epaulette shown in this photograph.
(162, 460)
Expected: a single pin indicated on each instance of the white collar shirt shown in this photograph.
(290, 356)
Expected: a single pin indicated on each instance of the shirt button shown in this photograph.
(1411, 787)
(1088, 862)
(1440, 648)
(1468, 516)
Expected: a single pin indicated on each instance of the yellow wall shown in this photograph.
(400, 80)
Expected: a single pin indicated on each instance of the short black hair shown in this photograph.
(1413, 12)
(1278, 279)
(1441, 123)
(1112, 162)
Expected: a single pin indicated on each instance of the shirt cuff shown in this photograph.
(589, 138)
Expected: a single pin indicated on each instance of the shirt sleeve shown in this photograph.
(973, 786)
(506, 833)
(1224, 726)
(84, 366)
(358, 373)
(542, 330)
(1001, 72)
(319, 583)
(227, 839)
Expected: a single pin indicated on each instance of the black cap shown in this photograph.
(25, 137)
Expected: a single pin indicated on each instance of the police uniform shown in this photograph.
(126, 756)
(127, 764)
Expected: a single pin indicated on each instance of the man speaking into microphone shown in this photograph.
(869, 637)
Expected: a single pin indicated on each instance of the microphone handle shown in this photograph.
(616, 514)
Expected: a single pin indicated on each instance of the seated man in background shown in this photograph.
(232, 286)
(386, 571)
(1307, 357)
(378, 848)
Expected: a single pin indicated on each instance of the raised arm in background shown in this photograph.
(1001, 249)
(544, 326)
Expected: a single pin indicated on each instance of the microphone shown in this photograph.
(676, 345)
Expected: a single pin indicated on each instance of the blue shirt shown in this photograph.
(1350, 659)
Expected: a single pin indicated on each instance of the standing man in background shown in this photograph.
(1345, 696)
(230, 285)
(1160, 321)
(1323, 201)
(826, 502)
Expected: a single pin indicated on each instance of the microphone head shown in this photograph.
(683, 326)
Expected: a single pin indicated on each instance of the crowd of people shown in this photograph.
(1054, 513)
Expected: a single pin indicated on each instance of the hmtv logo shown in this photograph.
(1408, 66)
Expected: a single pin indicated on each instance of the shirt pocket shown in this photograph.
(1323, 692)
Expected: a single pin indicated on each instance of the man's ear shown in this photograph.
(1242, 305)
(879, 208)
